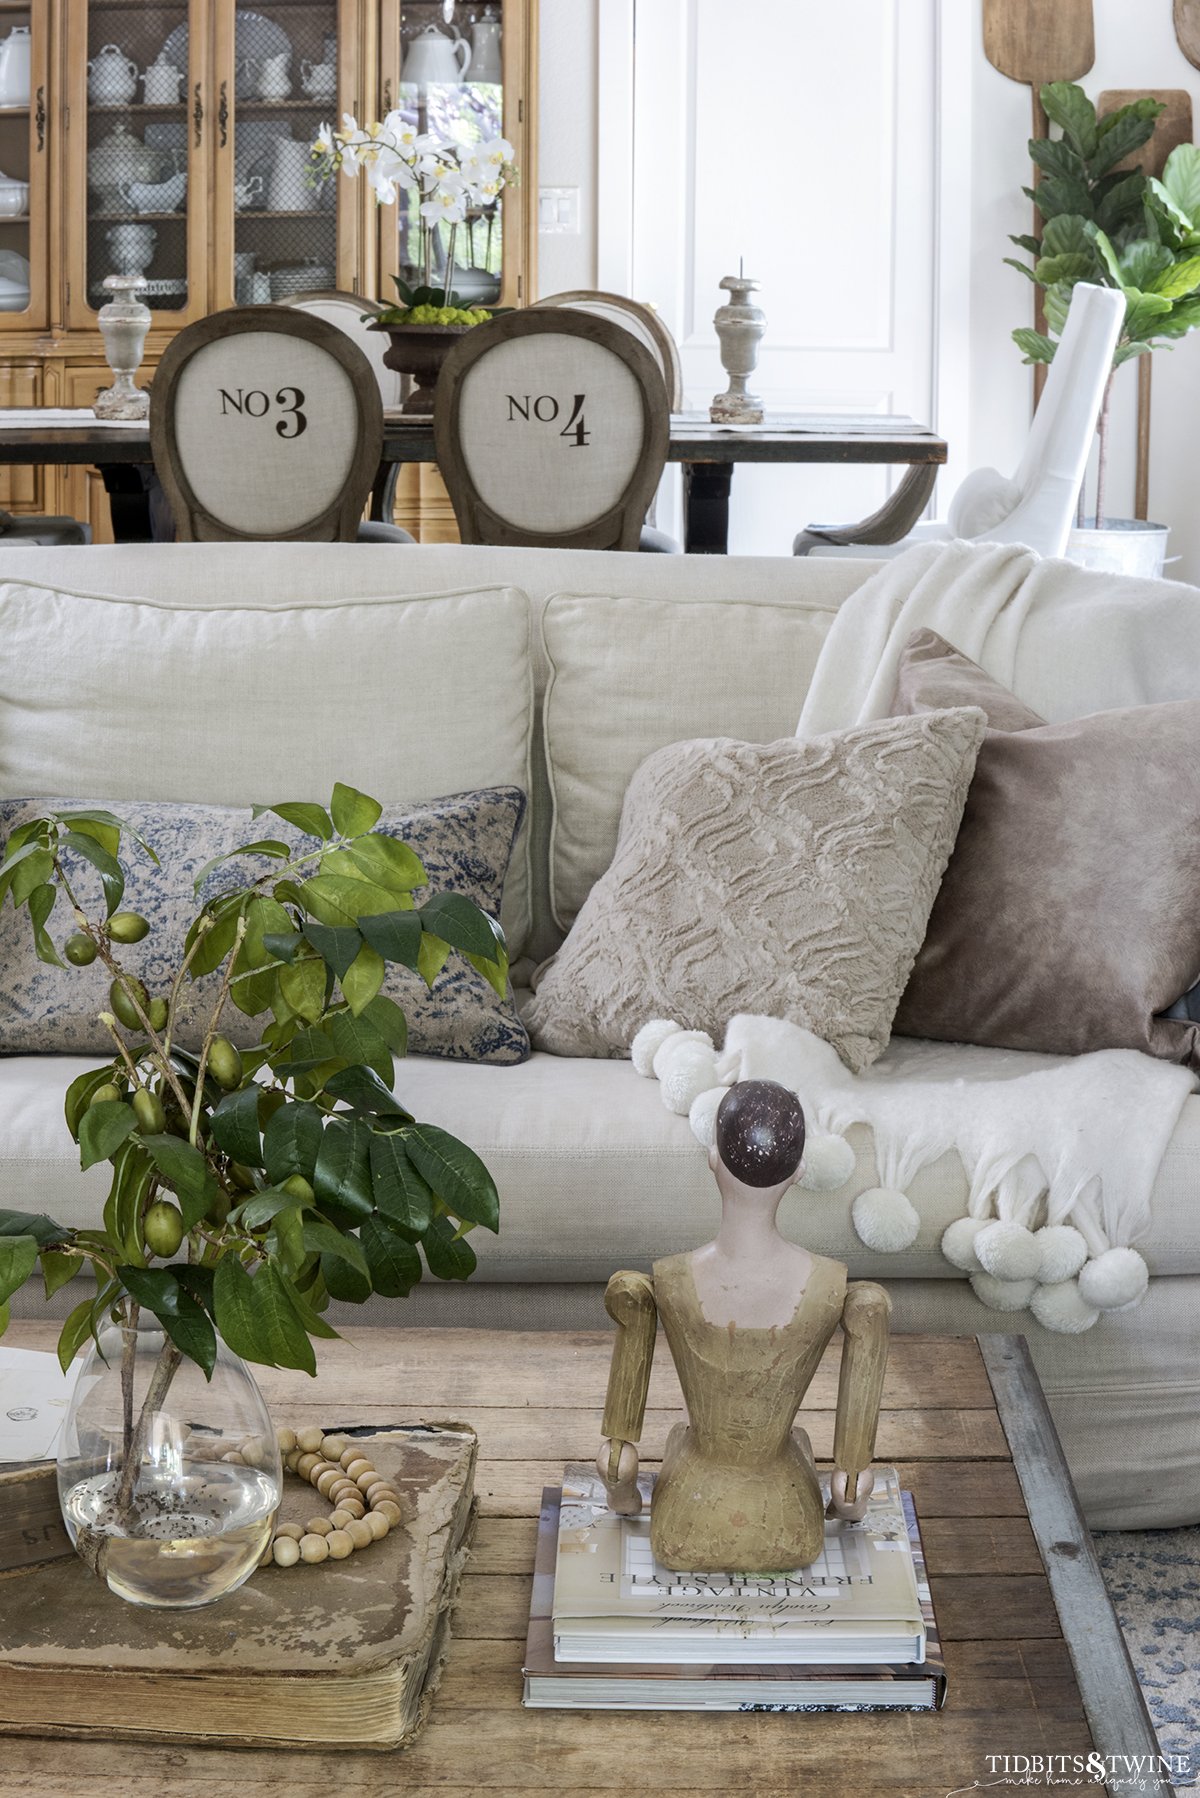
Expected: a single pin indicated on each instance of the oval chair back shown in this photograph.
(265, 423)
(551, 430)
(642, 320)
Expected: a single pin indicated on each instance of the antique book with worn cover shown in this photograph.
(732, 1684)
(612, 1601)
(346, 1654)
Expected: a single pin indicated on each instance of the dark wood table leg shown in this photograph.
(128, 487)
(706, 508)
(383, 493)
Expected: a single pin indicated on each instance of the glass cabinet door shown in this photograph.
(137, 74)
(283, 69)
(24, 161)
(454, 68)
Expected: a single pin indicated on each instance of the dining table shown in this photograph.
(707, 452)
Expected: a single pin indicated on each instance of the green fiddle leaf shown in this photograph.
(112, 875)
(397, 935)
(395, 1266)
(342, 1176)
(1180, 279)
(1034, 345)
(388, 862)
(455, 1173)
(41, 904)
(313, 820)
(432, 956)
(1068, 107)
(337, 946)
(322, 1239)
(292, 1142)
(257, 1319)
(356, 1040)
(75, 1332)
(363, 979)
(18, 1258)
(449, 1255)
(353, 812)
(362, 1088)
(57, 1269)
(388, 1018)
(1181, 181)
(458, 921)
(339, 899)
(233, 1126)
(402, 1195)
(102, 1130)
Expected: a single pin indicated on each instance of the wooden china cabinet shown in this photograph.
(170, 137)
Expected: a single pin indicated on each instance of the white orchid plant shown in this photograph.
(453, 182)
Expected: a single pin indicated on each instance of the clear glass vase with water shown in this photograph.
(169, 1483)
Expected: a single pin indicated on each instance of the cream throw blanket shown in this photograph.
(1061, 1154)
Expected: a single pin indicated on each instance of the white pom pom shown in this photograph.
(1064, 1252)
(958, 1243)
(1060, 1308)
(886, 1220)
(674, 1045)
(1002, 1295)
(648, 1041)
(703, 1116)
(828, 1163)
(689, 1072)
(1115, 1280)
(1008, 1251)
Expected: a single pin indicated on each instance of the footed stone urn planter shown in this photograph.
(419, 351)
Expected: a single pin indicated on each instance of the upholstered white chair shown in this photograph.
(1037, 506)
(645, 324)
(551, 430)
(267, 423)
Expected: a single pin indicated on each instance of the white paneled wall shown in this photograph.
(867, 161)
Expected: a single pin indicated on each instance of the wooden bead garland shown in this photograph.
(365, 1505)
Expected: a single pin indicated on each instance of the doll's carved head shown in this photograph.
(760, 1133)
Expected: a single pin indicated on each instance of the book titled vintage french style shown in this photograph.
(613, 1602)
(728, 1684)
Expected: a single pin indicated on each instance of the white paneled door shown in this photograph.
(801, 136)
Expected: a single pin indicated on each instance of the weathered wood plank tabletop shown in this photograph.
(1016, 1685)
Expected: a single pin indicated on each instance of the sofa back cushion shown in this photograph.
(628, 676)
(247, 703)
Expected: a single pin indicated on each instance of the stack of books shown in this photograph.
(609, 1629)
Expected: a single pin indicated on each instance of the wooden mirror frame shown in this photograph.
(618, 528)
(338, 522)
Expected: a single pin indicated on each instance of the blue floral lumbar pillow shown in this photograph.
(464, 842)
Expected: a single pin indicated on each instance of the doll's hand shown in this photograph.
(850, 1509)
(617, 1465)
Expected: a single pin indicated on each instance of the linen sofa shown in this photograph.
(245, 673)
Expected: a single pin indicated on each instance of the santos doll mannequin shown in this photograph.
(747, 1318)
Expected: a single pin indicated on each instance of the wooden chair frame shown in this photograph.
(576, 298)
(618, 528)
(339, 521)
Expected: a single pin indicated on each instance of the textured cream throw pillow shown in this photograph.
(792, 878)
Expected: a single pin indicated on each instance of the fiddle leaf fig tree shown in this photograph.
(249, 1186)
(1114, 228)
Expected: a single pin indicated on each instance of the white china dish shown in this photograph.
(14, 198)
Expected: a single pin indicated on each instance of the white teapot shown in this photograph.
(112, 77)
(433, 59)
(14, 67)
(160, 83)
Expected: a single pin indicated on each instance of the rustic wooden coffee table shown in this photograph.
(1035, 1661)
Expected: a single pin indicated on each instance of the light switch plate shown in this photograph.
(558, 211)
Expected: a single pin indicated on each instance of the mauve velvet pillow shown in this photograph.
(1068, 916)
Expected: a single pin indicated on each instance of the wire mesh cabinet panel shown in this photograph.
(282, 70)
(24, 166)
(138, 160)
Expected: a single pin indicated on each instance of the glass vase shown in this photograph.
(168, 1482)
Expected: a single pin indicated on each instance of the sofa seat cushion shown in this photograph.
(244, 700)
(594, 1173)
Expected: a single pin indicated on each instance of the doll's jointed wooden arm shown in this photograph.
(629, 1301)
(864, 1359)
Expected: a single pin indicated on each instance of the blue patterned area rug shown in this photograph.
(1153, 1578)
